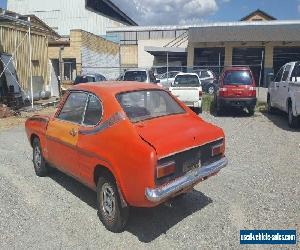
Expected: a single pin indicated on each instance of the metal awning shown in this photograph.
(159, 51)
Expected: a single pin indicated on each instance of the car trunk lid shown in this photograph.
(187, 94)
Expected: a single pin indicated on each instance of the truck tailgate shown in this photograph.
(186, 94)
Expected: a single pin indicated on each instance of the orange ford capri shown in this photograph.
(134, 144)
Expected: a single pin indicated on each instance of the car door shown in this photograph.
(88, 139)
(274, 88)
(284, 87)
(62, 133)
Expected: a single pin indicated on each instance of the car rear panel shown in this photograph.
(190, 159)
(238, 91)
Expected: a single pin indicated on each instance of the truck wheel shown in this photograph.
(39, 163)
(110, 211)
(270, 109)
(293, 121)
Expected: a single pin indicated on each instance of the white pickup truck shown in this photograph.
(284, 92)
(187, 88)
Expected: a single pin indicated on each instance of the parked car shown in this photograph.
(187, 88)
(89, 78)
(140, 75)
(237, 89)
(132, 150)
(167, 78)
(208, 80)
(284, 92)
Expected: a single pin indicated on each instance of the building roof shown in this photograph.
(260, 31)
(258, 12)
(37, 25)
(109, 9)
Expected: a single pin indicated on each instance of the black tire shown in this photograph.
(292, 120)
(39, 163)
(197, 110)
(270, 109)
(113, 216)
(211, 89)
(251, 111)
(218, 109)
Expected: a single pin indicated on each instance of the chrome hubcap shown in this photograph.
(210, 90)
(37, 156)
(108, 200)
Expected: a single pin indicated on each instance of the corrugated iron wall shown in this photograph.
(11, 38)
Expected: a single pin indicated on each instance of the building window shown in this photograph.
(70, 69)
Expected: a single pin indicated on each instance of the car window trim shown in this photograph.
(83, 115)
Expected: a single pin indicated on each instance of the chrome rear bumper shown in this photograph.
(184, 182)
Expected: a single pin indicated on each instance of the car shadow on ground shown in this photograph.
(230, 112)
(280, 119)
(145, 223)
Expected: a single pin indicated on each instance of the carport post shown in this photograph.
(30, 58)
(167, 67)
(261, 65)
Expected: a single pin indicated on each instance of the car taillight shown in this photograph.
(222, 91)
(165, 169)
(252, 91)
(218, 149)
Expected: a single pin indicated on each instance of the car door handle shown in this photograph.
(73, 132)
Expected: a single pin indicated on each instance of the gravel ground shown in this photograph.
(258, 190)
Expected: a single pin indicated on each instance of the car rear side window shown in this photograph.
(148, 104)
(186, 81)
(238, 77)
(139, 76)
(93, 111)
(73, 108)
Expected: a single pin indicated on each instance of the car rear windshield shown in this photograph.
(186, 81)
(148, 104)
(237, 78)
(139, 76)
(84, 79)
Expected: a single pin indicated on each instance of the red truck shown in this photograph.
(237, 88)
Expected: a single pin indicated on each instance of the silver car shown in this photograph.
(167, 79)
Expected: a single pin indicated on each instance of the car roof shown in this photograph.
(187, 74)
(114, 87)
(136, 69)
(236, 68)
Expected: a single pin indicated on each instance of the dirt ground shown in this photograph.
(13, 121)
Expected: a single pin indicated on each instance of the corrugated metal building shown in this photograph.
(94, 16)
(14, 42)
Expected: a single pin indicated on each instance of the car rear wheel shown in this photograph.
(39, 163)
(293, 120)
(110, 211)
(251, 111)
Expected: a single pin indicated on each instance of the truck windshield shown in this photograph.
(237, 78)
(139, 76)
(148, 104)
(186, 81)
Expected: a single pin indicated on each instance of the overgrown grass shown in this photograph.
(208, 104)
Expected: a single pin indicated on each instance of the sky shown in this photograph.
(166, 12)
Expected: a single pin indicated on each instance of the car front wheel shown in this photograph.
(110, 211)
(39, 163)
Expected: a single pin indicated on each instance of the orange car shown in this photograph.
(134, 144)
